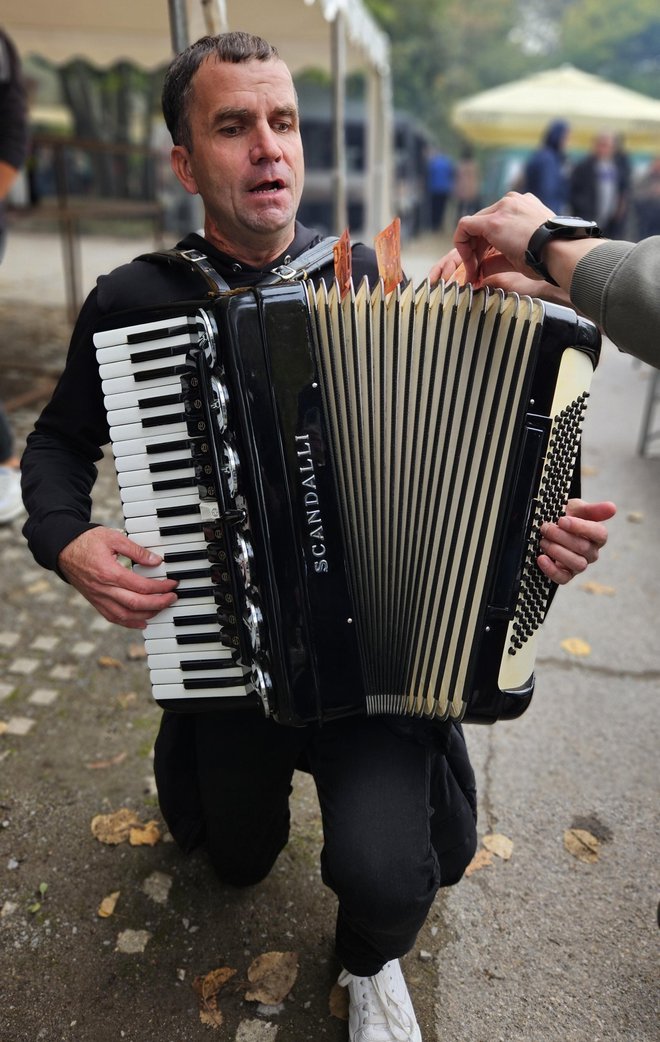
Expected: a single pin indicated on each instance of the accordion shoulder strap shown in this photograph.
(303, 266)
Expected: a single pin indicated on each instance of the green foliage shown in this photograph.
(619, 41)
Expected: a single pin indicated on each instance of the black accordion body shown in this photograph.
(348, 491)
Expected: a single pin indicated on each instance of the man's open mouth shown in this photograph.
(268, 186)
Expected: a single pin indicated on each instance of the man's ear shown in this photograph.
(180, 163)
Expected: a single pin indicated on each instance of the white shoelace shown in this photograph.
(379, 1004)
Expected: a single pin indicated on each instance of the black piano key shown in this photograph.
(178, 511)
(170, 464)
(200, 638)
(158, 334)
(159, 374)
(163, 420)
(176, 445)
(193, 683)
(193, 527)
(195, 591)
(163, 486)
(195, 620)
(193, 666)
(184, 555)
(190, 573)
(156, 352)
(159, 401)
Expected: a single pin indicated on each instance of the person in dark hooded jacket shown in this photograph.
(546, 174)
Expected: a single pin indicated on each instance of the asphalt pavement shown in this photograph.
(553, 936)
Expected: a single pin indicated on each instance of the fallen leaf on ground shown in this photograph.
(108, 905)
(482, 859)
(126, 699)
(582, 845)
(498, 844)
(576, 646)
(132, 942)
(3, 727)
(206, 988)
(146, 835)
(99, 765)
(114, 828)
(107, 662)
(338, 1002)
(136, 651)
(636, 516)
(599, 589)
(273, 975)
(157, 886)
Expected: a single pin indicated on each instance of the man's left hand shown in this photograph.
(575, 540)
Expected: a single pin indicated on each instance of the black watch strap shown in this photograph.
(554, 229)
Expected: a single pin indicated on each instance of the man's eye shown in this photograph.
(282, 127)
(230, 131)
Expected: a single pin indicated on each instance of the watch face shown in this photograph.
(570, 222)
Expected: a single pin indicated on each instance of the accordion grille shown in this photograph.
(423, 391)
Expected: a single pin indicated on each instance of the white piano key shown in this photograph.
(144, 476)
(132, 431)
(149, 521)
(163, 692)
(121, 384)
(177, 676)
(173, 659)
(159, 571)
(167, 645)
(158, 443)
(132, 366)
(154, 540)
(135, 414)
(131, 399)
(135, 493)
(112, 337)
(148, 507)
(177, 611)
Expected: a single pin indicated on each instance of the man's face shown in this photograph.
(247, 159)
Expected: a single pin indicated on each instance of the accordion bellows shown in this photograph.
(377, 483)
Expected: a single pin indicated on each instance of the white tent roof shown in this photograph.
(139, 30)
(516, 114)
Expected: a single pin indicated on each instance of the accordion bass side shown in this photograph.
(349, 493)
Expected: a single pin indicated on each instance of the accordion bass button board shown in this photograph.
(349, 492)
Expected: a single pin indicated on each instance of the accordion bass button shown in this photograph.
(220, 403)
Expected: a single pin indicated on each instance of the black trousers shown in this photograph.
(397, 802)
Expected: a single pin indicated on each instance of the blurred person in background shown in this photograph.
(614, 283)
(600, 186)
(13, 153)
(467, 183)
(439, 185)
(646, 198)
(545, 173)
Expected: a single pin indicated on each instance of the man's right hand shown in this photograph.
(91, 564)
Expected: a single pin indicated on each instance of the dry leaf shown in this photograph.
(136, 651)
(498, 844)
(338, 1002)
(114, 828)
(108, 905)
(206, 989)
(3, 727)
(636, 516)
(598, 589)
(99, 765)
(274, 974)
(126, 699)
(107, 662)
(582, 844)
(576, 646)
(482, 859)
(588, 472)
(146, 835)
(132, 942)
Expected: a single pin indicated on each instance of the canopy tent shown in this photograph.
(334, 35)
(516, 114)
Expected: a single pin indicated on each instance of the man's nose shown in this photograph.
(265, 145)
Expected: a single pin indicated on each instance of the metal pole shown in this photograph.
(340, 209)
(178, 25)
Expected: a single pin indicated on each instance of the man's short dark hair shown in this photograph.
(233, 47)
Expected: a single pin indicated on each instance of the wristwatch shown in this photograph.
(557, 228)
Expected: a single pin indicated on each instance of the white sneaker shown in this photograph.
(11, 502)
(379, 1008)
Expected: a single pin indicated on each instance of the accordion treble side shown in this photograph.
(363, 484)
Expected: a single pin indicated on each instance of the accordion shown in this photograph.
(348, 492)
